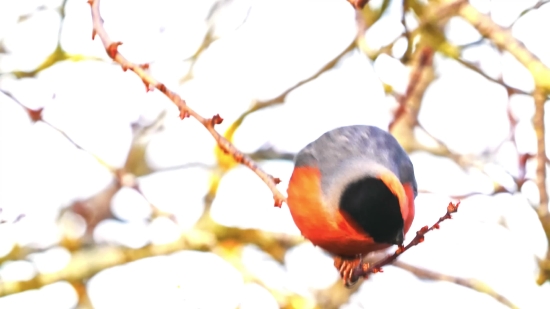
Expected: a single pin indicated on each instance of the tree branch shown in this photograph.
(499, 81)
(365, 269)
(406, 33)
(358, 4)
(503, 39)
(88, 262)
(422, 74)
(538, 122)
(473, 284)
(537, 6)
(406, 116)
(210, 236)
(185, 111)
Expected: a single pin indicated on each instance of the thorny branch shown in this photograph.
(366, 268)
(185, 111)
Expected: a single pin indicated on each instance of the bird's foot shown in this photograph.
(348, 268)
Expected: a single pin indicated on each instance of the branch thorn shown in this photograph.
(217, 119)
(112, 49)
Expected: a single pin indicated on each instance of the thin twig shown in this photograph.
(406, 32)
(544, 216)
(36, 115)
(185, 111)
(537, 6)
(280, 99)
(473, 284)
(476, 69)
(366, 268)
(122, 178)
(472, 44)
(504, 39)
(366, 18)
(206, 42)
(421, 76)
(406, 116)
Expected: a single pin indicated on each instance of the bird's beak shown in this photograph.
(399, 238)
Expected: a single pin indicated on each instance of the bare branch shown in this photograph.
(210, 236)
(281, 98)
(358, 4)
(406, 32)
(185, 111)
(421, 76)
(544, 216)
(476, 69)
(88, 262)
(365, 269)
(538, 122)
(537, 6)
(406, 116)
(473, 284)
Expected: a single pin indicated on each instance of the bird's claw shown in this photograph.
(348, 269)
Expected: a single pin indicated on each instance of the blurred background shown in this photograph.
(109, 200)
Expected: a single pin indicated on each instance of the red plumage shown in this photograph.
(325, 171)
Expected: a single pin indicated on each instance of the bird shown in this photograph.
(351, 193)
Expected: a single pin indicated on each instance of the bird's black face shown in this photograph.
(375, 209)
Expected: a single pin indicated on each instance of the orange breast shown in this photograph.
(408, 220)
(323, 226)
(405, 194)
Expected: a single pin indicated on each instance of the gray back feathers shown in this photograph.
(348, 153)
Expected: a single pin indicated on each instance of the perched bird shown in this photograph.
(352, 192)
